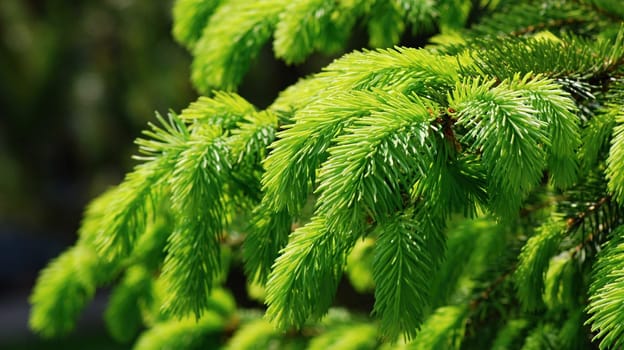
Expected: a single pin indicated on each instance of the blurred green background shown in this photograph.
(78, 81)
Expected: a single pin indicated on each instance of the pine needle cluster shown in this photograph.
(473, 186)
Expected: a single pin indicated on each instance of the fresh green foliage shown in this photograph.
(190, 18)
(342, 330)
(197, 179)
(509, 334)
(65, 286)
(311, 25)
(257, 334)
(183, 334)
(541, 337)
(616, 158)
(606, 293)
(267, 235)
(533, 263)
(501, 123)
(237, 31)
(124, 315)
(406, 255)
(289, 296)
(346, 337)
(596, 136)
(472, 188)
(443, 329)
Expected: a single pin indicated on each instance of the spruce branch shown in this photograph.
(595, 137)
(309, 25)
(255, 334)
(407, 255)
(314, 256)
(266, 236)
(63, 289)
(236, 32)
(183, 334)
(382, 153)
(302, 147)
(119, 217)
(444, 329)
(529, 274)
(521, 18)
(556, 108)
(193, 256)
(500, 123)
(390, 145)
(347, 336)
(385, 22)
(224, 110)
(605, 292)
(189, 18)
(616, 159)
(123, 315)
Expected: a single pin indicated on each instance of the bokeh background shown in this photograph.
(79, 80)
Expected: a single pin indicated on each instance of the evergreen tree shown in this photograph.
(474, 186)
